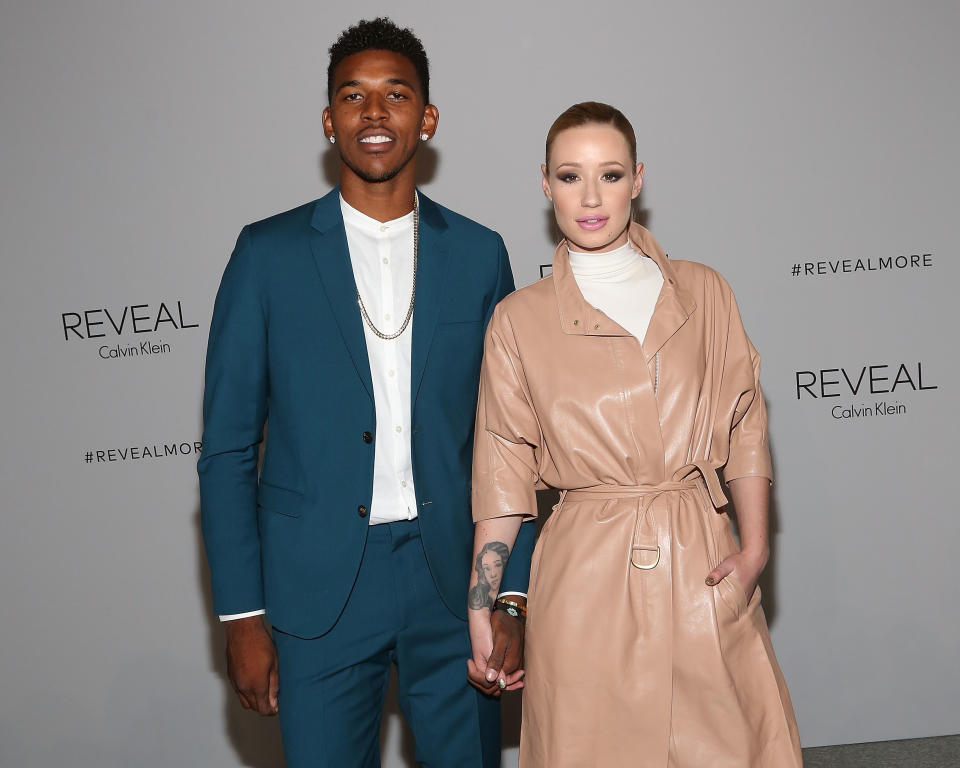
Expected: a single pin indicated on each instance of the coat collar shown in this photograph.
(332, 258)
(577, 317)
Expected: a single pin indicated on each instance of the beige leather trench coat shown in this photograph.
(631, 659)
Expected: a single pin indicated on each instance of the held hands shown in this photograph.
(252, 664)
(496, 639)
(745, 566)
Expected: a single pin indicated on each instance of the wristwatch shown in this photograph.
(517, 610)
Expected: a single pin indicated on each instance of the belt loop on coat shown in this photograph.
(646, 502)
(709, 474)
(556, 507)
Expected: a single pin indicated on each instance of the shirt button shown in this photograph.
(403, 483)
(362, 511)
(386, 261)
(383, 227)
(386, 316)
(391, 373)
(367, 437)
(399, 428)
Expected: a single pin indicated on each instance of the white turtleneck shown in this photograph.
(623, 284)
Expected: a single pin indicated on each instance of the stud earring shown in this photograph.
(333, 139)
(424, 136)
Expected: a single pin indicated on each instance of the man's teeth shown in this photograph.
(375, 139)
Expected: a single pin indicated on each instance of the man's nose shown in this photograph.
(374, 107)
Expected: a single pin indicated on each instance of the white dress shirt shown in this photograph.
(623, 284)
(382, 257)
(381, 254)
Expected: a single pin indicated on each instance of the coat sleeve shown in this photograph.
(507, 438)
(516, 576)
(234, 413)
(749, 454)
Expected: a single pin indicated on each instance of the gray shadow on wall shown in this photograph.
(428, 164)
(392, 718)
(255, 739)
(767, 582)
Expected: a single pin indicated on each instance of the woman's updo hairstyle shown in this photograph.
(588, 112)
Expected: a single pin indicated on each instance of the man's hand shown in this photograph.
(506, 658)
(252, 664)
(497, 642)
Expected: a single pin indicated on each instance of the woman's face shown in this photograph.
(492, 566)
(592, 181)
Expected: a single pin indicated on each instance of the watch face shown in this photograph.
(512, 611)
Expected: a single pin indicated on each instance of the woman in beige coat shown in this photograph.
(646, 644)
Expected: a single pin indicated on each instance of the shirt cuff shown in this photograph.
(235, 616)
(518, 594)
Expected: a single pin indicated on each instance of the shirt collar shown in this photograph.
(359, 221)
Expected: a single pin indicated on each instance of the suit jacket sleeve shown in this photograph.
(234, 413)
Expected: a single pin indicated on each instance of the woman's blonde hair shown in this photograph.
(592, 112)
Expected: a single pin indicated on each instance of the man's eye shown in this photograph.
(396, 95)
(352, 97)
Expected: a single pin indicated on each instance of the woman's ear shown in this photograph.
(637, 180)
(545, 183)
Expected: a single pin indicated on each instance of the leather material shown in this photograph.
(631, 659)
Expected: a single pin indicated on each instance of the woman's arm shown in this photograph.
(488, 664)
(751, 497)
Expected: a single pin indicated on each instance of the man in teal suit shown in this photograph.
(354, 325)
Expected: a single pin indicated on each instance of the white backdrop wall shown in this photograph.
(137, 138)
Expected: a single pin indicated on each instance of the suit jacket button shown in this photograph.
(362, 511)
(367, 437)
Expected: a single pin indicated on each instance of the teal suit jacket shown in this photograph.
(287, 345)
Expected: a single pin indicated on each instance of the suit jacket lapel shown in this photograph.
(433, 262)
(328, 242)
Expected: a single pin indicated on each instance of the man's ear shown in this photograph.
(431, 116)
(327, 123)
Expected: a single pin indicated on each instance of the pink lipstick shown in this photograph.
(592, 223)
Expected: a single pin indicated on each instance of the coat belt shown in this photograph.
(645, 555)
(696, 475)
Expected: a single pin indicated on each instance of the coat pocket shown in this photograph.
(729, 591)
(283, 501)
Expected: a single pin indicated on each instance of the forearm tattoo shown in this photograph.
(487, 574)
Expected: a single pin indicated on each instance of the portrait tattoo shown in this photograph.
(491, 560)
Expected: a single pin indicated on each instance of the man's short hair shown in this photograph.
(380, 34)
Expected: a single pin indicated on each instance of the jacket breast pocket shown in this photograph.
(283, 501)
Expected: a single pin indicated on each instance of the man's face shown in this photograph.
(377, 114)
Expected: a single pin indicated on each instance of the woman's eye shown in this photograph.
(612, 176)
(568, 178)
